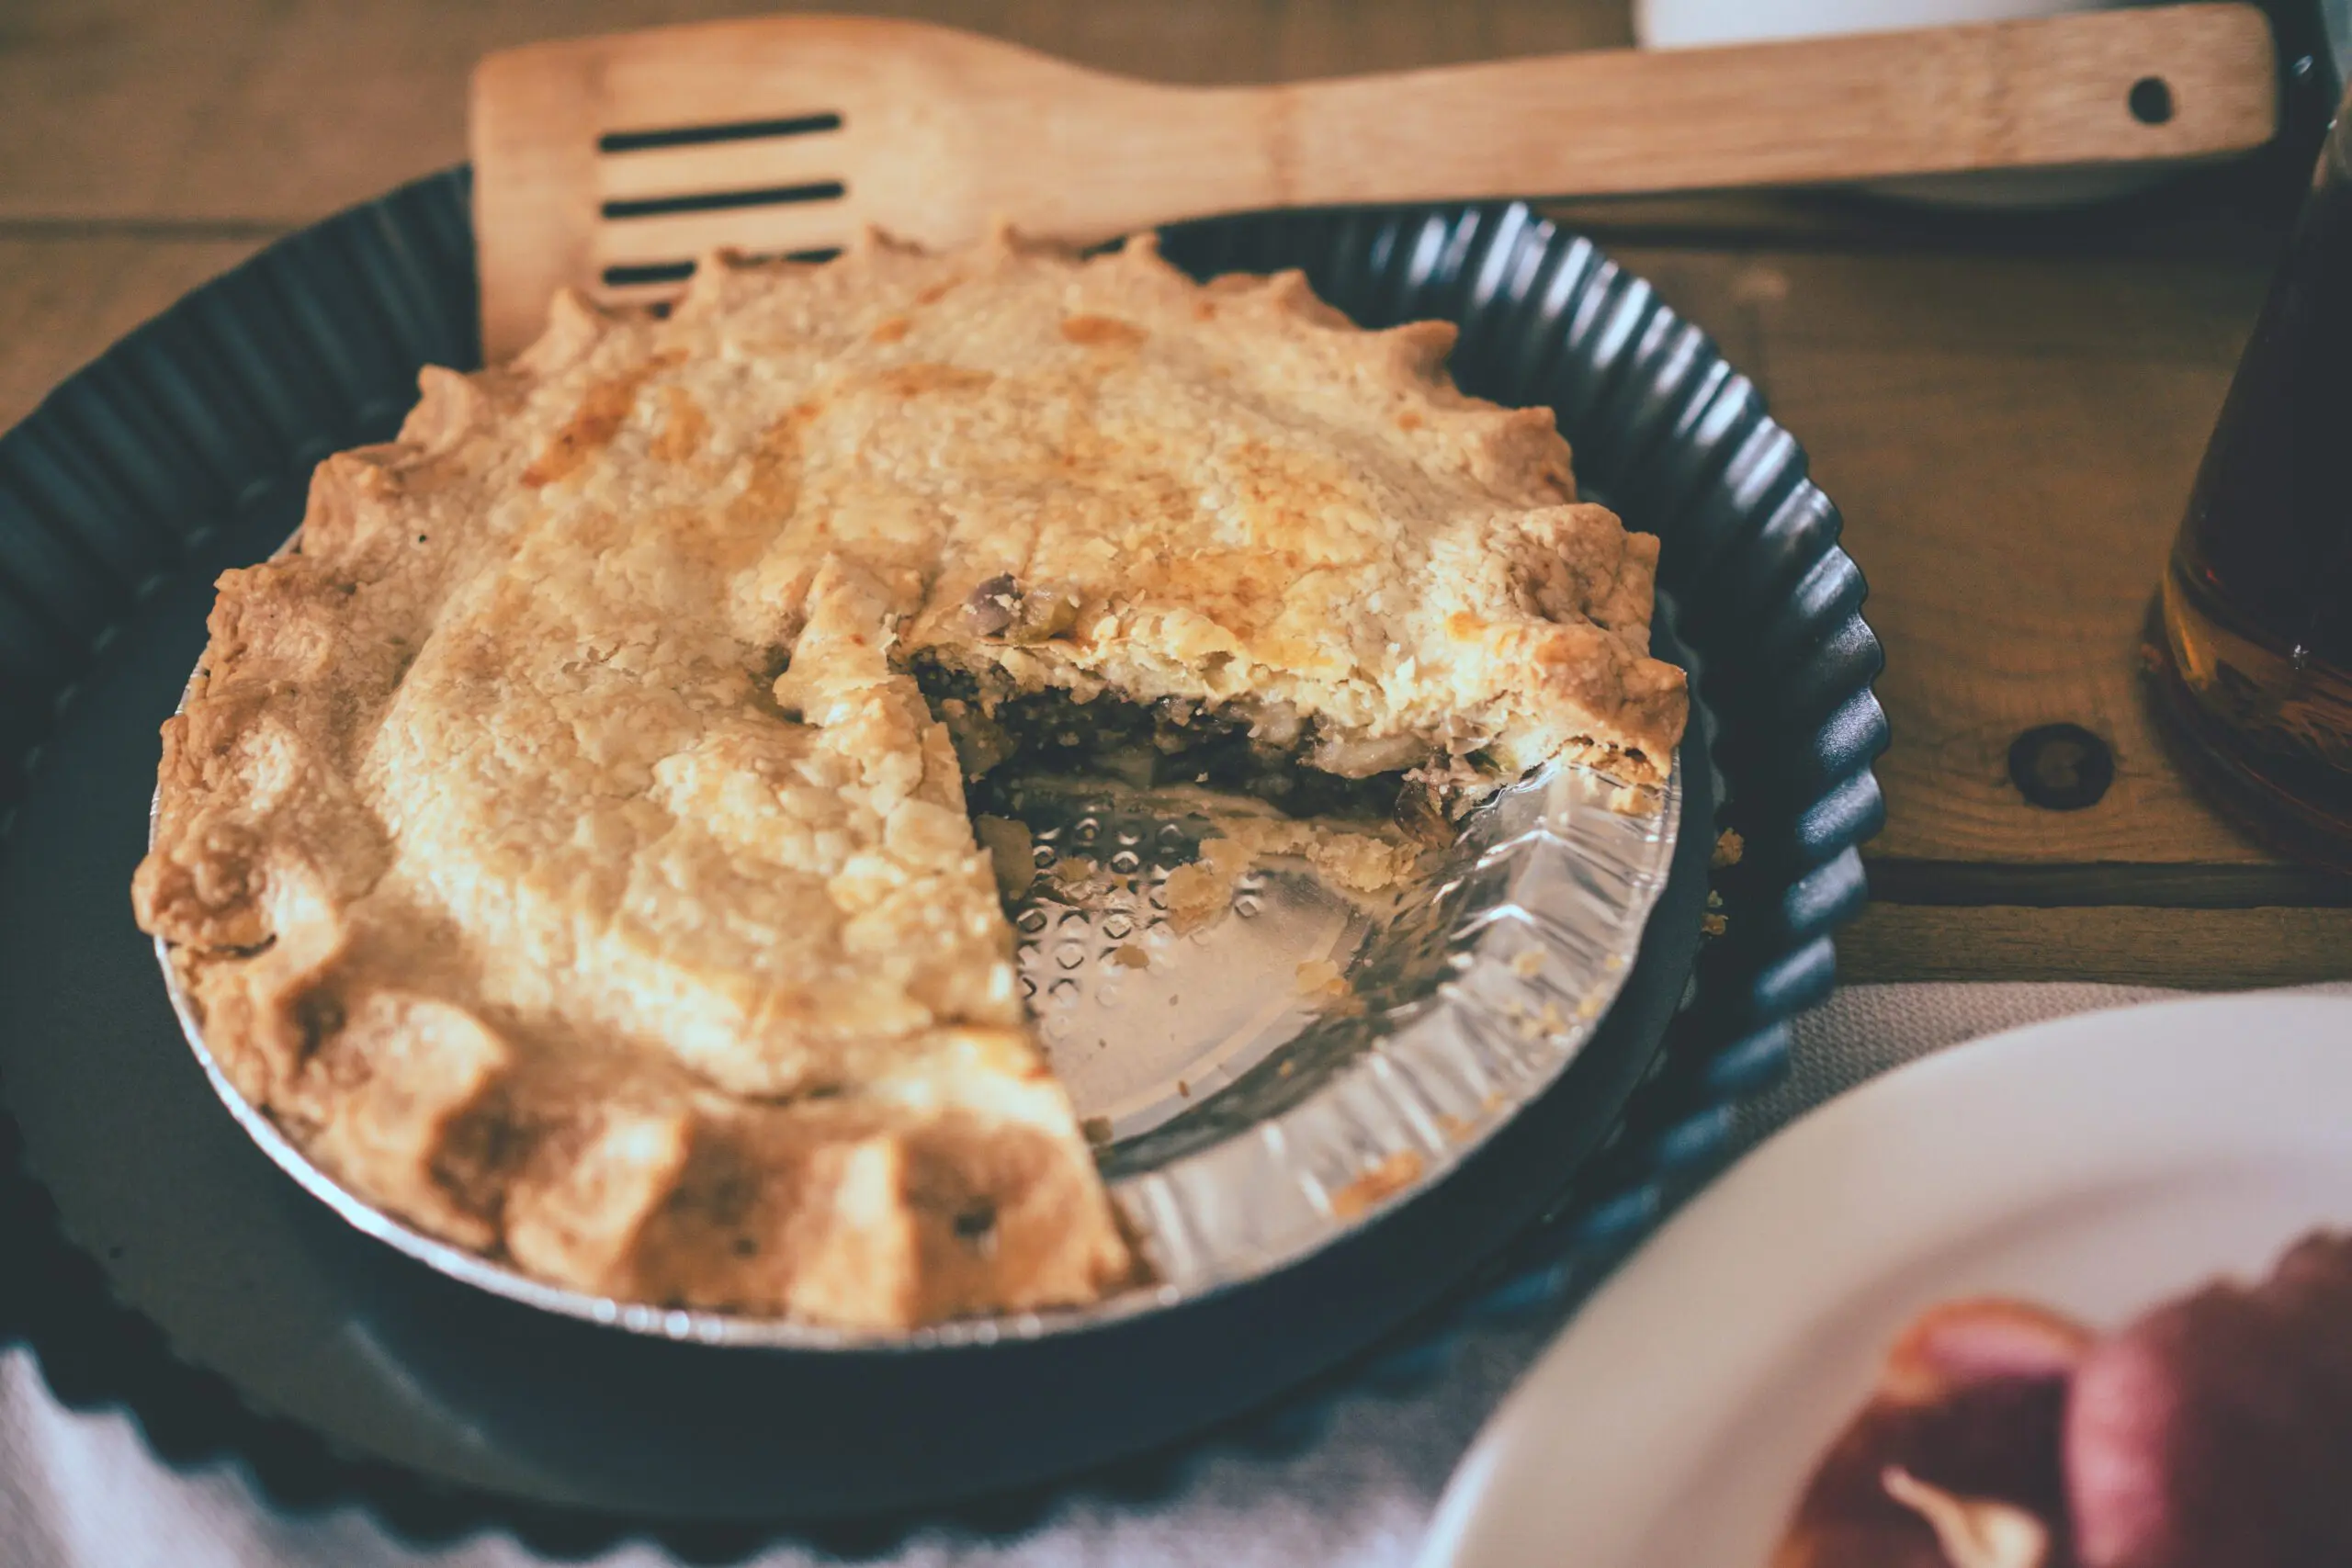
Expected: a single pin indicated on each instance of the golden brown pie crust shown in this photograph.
(559, 849)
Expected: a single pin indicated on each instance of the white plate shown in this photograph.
(2097, 1164)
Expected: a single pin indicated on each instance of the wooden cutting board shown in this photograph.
(2009, 418)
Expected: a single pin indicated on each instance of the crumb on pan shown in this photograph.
(1319, 976)
(1547, 1020)
(1633, 800)
(1200, 893)
(1383, 1181)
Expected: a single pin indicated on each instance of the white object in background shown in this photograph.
(1692, 24)
(2098, 1164)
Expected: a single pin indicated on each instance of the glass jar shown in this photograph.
(2252, 656)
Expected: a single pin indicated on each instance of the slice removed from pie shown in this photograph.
(567, 845)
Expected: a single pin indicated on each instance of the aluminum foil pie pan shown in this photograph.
(1259, 1082)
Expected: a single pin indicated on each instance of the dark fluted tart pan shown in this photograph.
(156, 1258)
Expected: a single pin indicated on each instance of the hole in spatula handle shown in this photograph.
(2151, 100)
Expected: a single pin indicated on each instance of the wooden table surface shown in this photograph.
(2007, 411)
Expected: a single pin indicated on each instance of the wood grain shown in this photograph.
(2200, 949)
(2024, 93)
(2010, 441)
(67, 298)
(2174, 884)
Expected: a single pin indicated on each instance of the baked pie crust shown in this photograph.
(561, 845)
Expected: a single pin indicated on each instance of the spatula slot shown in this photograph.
(650, 272)
(640, 274)
(698, 135)
(723, 200)
(775, 228)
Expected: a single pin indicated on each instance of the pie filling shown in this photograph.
(1267, 750)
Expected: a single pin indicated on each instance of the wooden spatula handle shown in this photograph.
(2165, 82)
(610, 163)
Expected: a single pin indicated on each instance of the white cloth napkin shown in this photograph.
(84, 1491)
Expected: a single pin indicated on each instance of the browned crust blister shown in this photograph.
(557, 848)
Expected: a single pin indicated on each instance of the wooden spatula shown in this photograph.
(610, 163)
